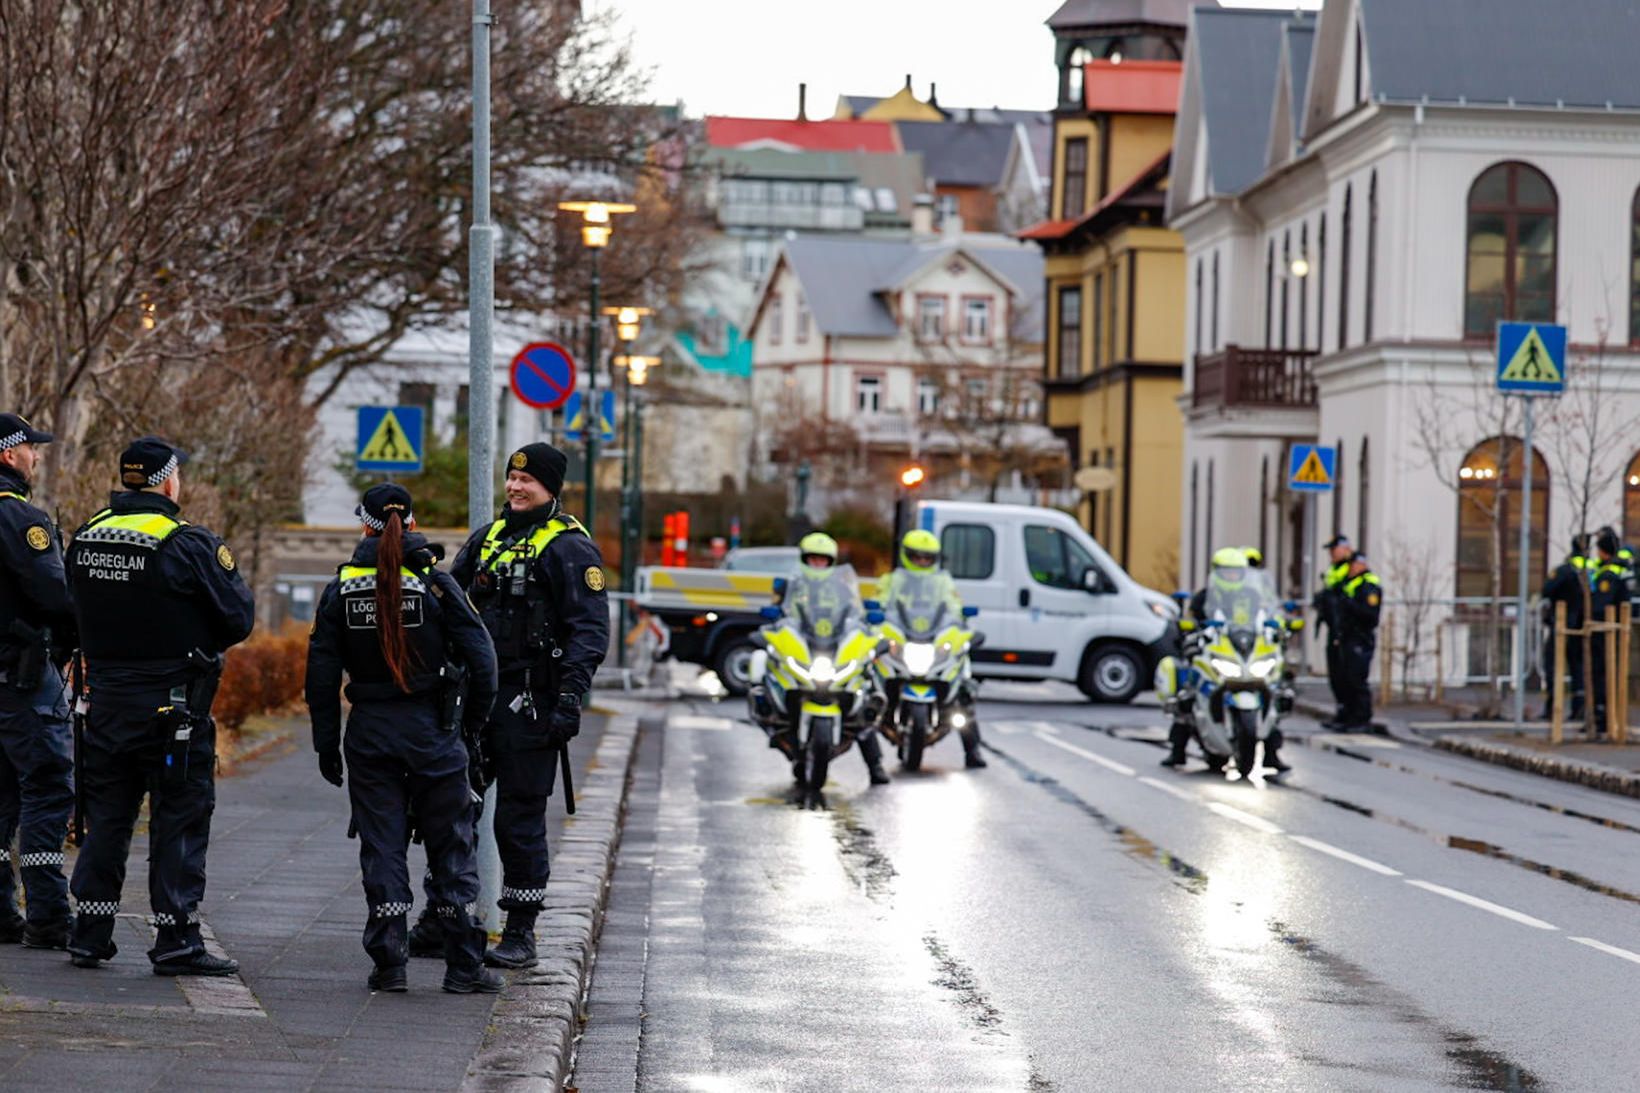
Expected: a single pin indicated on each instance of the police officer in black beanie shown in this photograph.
(159, 601)
(405, 635)
(537, 579)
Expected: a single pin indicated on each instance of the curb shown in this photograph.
(1593, 775)
(529, 1041)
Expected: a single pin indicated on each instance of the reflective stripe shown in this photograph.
(492, 557)
(40, 858)
(143, 529)
(363, 579)
(389, 910)
(450, 910)
(1369, 578)
(166, 918)
(5, 855)
(99, 908)
(524, 895)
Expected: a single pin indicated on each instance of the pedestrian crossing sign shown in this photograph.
(1531, 358)
(575, 417)
(1312, 468)
(391, 439)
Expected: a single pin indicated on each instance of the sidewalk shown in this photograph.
(284, 900)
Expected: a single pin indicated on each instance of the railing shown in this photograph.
(1282, 378)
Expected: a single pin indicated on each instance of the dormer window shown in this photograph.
(1075, 74)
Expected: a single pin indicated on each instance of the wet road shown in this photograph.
(1077, 917)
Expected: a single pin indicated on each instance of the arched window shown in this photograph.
(1286, 280)
(1489, 485)
(1201, 306)
(1215, 332)
(1363, 481)
(1338, 488)
(1264, 507)
(1304, 287)
(1634, 274)
(1207, 542)
(1269, 295)
(1195, 519)
(1344, 278)
(1511, 274)
(1372, 257)
(1321, 283)
(1631, 501)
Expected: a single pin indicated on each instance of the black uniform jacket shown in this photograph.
(33, 586)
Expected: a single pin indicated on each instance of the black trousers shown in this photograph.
(1355, 664)
(526, 772)
(1574, 667)
(404, 768)
(1335, 678)
(36, 798)
(123, 762)
(1597, 650)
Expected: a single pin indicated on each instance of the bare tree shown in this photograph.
(1417, 583)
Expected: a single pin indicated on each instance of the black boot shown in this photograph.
(11, 928)
(197, 964)
(390, 978)
(516, 949)
(871, 750)
(971, 758)
(426, 936)
(1177, 737)
(476, 979)
(1272, 753)
(47, 935)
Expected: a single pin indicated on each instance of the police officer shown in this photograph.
(1609, 588)
(36, 626)
(158, 601)
(405, 635)
(1625, 553)
(1360, 599)
(920, 584)
(537, 580)
(1568, 584)
(1255, 557)
(1326, 603)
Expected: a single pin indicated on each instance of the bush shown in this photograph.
(263, 675)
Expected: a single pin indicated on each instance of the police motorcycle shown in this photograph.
(925, 674)
(813, 690)
(1230, 688)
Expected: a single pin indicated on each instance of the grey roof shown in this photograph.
(1300, 44)
(901, 172)
(1238, 53)
(1534, 52)
(959, 153)
(1084, 13)
(778, 163)
(843, 278)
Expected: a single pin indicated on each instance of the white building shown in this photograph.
(1362, 196)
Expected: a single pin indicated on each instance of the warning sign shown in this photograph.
(1311, 468)
(390, 439)
(1531, 358)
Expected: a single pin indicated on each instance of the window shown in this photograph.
(1362, 481)
(1631, 500)
(1372, 257)
(1286, 281)
(968, 551)
(803, 318)
(745, 191)
(1075, 76)
(1201, 306)
(886, 202)
(946, 208)
(1098, 319)
(1489, 485)
(1195, 516)
(1209, 537)
(1304, 288)
(868, 394)
(1634, 274)
(833, 193)
(1338, 488)
(1511, 274)
(776, 320)
(1055, 559)
(976, 320)
(977, 390)
(754, 259)
(463, 394)
(1215, 331)
(930, 318)
(711, 334)
(862, 199)
(1270, 295)
(1344, 277)
(417, 394)
(1321, 282)
(796, 193)
(1264, 506)
(928, 396)
(1070, 332)
(1110, 318)
(1075, 199)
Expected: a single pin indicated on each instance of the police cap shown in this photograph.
(15, 430)
(148, 462)
(381, 501)
(1336, 541)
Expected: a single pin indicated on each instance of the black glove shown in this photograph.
(564, 724)
(330, 765)
(477, 776)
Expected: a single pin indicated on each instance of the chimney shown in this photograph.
(908, 81)
(933, 95)
(802, 102)
(922, 215)
(951, 227)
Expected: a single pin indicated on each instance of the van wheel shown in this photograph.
(1112, 673)
(733, 664)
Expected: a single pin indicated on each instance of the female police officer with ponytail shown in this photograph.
(403, 632)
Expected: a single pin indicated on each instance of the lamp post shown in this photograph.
(628, 321)
(637, 375)
(596, 228)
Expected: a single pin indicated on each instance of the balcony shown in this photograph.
(1276, 378)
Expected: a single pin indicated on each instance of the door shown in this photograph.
(970, 550)
(1057, 609)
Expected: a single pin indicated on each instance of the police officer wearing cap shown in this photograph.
(1360, 600)
(158, 602)
(36, 629)
(1608, 588)
(537, 579)
(1326, 604)
(405, 636)
(1568, 584)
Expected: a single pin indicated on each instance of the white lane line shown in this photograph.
(1484, 905)
(1344, 855)
(1108, 764)
(1257, 823)
(1610, 950)
(1175, 791)
(690, 721)
(1043, 727)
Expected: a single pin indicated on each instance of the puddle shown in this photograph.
(866, 865)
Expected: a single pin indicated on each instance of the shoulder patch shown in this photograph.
(38, 538)
(1372, 599)
(224, 557)
(595, 578)
(1605, 586)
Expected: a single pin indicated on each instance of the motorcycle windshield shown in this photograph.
(920, 607)
(1244, 603)
(823, 608)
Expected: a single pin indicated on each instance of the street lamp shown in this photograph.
(1300, 266)
(596, 226)
(637, 374)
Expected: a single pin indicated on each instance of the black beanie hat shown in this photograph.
(381, 501)
(542, 462)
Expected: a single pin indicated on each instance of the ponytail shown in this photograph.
(389, 602)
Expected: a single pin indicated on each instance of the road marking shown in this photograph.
(691, 721)
(1484, 905)
(1109, 764)
(1353, 740)
(1344, 855)
(1181, 794)
(1257, 823)
(1043, 727)
(1610, 950)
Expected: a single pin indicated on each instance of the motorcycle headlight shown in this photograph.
(823, 671)
(797, 669)
(1227, 669)
(1263, 667)
(919, 658)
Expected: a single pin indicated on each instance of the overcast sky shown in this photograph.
(747, 57)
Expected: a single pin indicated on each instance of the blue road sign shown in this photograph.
(1312, 468)
(573, 417)
(391, 439)
(543, 375)
(1531, 358)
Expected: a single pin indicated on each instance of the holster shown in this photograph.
(34, 651)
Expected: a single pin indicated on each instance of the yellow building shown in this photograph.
(1116, 283)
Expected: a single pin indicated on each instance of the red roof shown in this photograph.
(830, 135)
(1049, 229)
(1058, 229)
(1133, 87)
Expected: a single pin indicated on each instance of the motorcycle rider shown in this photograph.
(829, 589)
(920, 580)
(1233, 583)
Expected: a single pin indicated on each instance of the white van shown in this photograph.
(1052, 604)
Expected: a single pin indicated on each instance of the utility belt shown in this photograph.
(27, 657)
(448, 685)
(189, 707)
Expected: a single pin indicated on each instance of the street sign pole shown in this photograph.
(1524, 591)
(590, 419)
